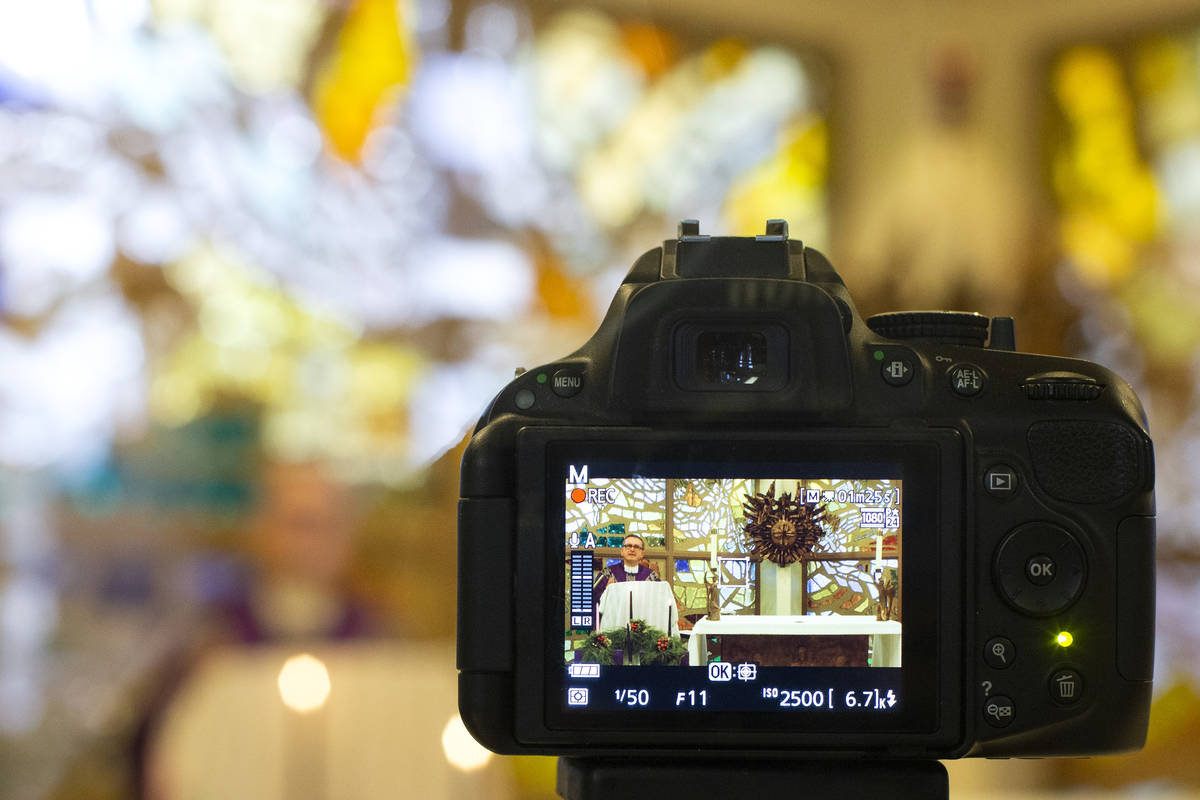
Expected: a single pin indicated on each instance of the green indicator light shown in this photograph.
(541, 378)
(1064, 639)
(879, 355)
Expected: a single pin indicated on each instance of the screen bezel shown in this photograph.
(929, 463)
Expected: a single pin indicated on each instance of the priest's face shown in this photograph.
(632, 550)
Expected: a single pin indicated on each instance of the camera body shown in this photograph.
(857, 538)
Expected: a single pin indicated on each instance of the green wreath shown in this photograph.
(652, 646)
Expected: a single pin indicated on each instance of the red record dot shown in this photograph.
(578, 495)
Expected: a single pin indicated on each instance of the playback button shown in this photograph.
(1000, 481)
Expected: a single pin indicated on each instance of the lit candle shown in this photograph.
(879, 552)
(713, 547)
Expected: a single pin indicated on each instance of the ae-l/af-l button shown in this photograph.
(967, 380)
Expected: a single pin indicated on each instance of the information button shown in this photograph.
(897, 371)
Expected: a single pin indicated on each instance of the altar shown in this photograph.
(652, 601)
(800, 641)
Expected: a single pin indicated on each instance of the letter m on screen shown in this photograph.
(577, 475)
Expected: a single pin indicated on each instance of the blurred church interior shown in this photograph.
(264, 262)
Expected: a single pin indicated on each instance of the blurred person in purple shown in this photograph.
(300, 544)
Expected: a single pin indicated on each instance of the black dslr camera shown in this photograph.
(744, 521)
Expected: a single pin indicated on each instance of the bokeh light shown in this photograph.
(460, 747)
(304, 683)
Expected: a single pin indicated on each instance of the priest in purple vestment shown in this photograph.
(631, 568)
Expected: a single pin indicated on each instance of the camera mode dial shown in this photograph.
(946, 327)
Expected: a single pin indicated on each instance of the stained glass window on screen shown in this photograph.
(843, 586)
(638, 507)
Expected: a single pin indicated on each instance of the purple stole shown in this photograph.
(619, 573)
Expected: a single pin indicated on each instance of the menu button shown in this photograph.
(567, 382)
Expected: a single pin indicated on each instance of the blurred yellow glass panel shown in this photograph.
(1109, 196)
(791, 185)
(1135, 204)
(1104, 147)
(1088, 82)
(376, 56)
(1159, 64)
(1099, 254)
(1165, 74)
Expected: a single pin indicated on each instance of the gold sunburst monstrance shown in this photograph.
(782, 529)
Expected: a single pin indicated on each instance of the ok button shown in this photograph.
(1040, 570)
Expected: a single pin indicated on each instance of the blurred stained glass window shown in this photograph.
(329, 231)
(359, 216)
(1124, 169)
(1124, 142)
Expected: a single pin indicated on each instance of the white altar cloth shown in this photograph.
(653, 601)
(885, 636)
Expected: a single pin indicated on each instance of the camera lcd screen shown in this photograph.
(711, 586)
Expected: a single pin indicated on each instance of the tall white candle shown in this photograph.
(878, 552)
(713, 548)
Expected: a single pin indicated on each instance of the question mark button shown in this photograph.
(999, 711)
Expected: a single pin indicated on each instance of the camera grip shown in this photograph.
(485, 584)
(1135, 585)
